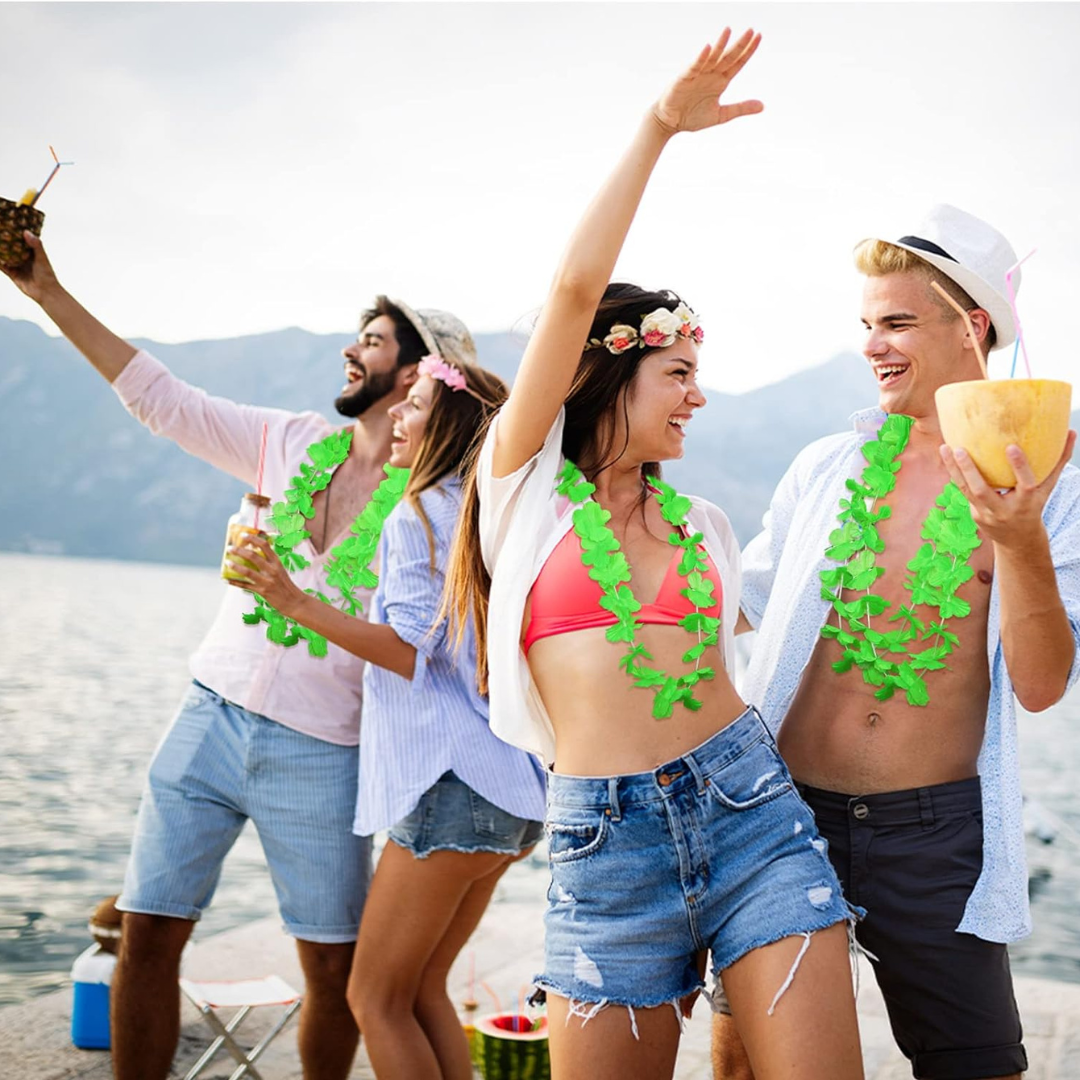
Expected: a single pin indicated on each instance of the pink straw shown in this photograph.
(494, 996)
(259, 478)
(1012, 303)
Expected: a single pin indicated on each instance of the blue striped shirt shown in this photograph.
(781, 597)
(412, 731)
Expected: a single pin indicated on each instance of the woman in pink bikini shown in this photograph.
(608, 603)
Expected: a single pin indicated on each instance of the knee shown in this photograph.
(326, 966)
(152, 940)
(379, 996)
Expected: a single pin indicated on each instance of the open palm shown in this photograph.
(692, 101)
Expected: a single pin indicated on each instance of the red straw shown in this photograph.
(259, 478)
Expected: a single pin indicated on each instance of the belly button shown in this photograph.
(985, 576)
(873, 718)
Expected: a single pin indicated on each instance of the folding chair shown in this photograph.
(243, 996)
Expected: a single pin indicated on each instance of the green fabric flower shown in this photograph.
(938, 569)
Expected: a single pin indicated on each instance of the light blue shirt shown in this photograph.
(781, 597)
(414, 730)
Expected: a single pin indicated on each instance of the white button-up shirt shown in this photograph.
(782, 598)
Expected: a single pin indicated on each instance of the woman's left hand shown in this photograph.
(260, 571)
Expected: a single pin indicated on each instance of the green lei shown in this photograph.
(939, 568)
(610, 570)
(347, 569)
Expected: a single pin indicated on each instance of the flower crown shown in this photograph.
(659, 329)
(438, 368)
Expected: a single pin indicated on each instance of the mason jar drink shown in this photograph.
(242, 526)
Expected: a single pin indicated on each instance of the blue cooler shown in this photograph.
(91, 973)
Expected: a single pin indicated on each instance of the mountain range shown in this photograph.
(83, 478)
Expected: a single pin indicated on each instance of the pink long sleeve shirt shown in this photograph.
(317, 696)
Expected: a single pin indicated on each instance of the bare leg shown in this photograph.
(604, 1048)
(412, 906)
(328, 1033)
(813, 1030)
(729, 1060)
(434, 1010)
(145, 996)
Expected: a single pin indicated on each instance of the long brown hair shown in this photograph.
(598, 392)
(450, 434)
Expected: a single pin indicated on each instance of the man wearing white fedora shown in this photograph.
(263, 733)
(901, 603)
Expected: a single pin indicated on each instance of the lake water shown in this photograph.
(92, 664)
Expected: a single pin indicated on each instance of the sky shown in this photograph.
(241, 168)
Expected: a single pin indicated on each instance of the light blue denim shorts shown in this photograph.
(714, 850)
(450, 816)
(219, 765)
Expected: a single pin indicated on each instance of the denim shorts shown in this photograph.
(219, 765)
(450, 816)
(714, 850)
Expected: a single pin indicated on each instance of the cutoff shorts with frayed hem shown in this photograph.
(450, 816)
(714, 850)
(219, 765)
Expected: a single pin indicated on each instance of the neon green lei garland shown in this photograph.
(610, 570)
(348, 568)
(939, 568)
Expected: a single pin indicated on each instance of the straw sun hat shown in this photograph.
(443, 334)
(974, 255)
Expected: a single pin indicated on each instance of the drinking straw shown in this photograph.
(259, 478)
(494, 996)
(521, 1008)
(48, 181)
(1016, 318)
(967, 322)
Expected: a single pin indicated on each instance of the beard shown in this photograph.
(376, 385)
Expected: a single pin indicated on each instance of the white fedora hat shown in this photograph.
(974, 255)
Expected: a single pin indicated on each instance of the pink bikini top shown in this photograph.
(565, 598)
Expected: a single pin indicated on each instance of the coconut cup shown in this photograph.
(986, 416)
(14, 217)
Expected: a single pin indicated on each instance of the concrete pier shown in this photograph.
(35, 1036)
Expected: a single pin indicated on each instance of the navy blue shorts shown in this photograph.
(911, 859)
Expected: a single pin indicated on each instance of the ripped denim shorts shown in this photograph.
(715, 850)
(450, 816)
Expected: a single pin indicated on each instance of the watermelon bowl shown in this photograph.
(511, 1046)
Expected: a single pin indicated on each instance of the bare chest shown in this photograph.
(337, 505)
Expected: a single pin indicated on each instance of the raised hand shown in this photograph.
(692, 101)
(36, 276)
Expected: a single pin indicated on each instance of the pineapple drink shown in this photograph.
(14, 218)
(240, 528)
